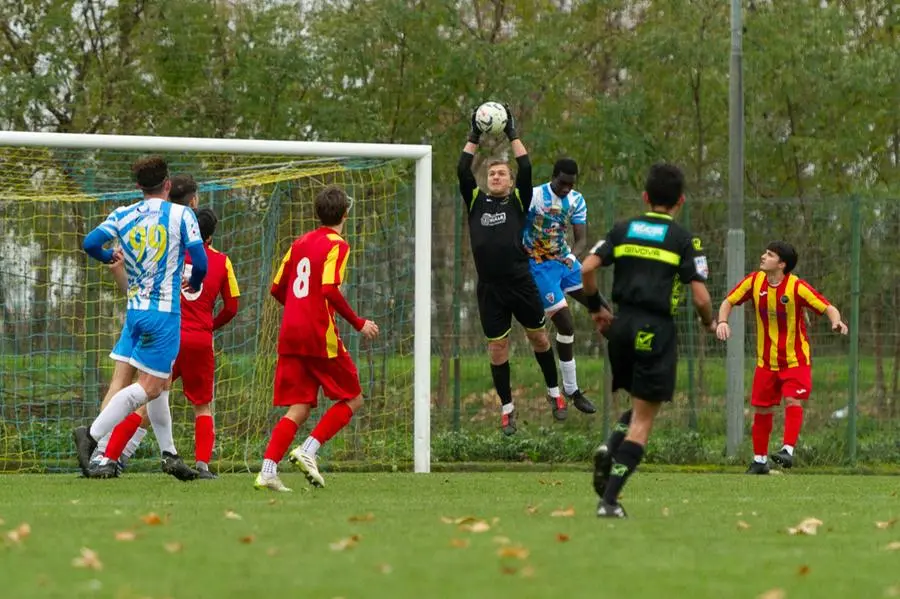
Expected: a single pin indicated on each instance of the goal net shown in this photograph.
(60, 312)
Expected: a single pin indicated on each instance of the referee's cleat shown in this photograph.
(84, 447)
(105, 468)
(582, 403)
(508, 423)
(173, 465)
(782, 458)
(607, 510)
(758, 468)
(558, 406)
(602, 466)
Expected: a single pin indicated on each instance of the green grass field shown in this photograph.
(682, 540)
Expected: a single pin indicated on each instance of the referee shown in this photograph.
(505, 285)
(654, 257)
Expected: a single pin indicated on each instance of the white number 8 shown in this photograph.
(301, 283)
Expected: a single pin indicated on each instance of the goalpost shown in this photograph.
(60, 314)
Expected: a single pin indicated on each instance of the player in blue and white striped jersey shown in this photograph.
(153, 235)
(556, 269)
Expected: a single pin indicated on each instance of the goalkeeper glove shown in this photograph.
(510, 129)
(474, 131)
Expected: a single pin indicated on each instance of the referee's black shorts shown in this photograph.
(643, 354)
(499, 301)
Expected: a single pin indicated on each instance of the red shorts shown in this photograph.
(196, 367)
(298, 379)
(769, 386)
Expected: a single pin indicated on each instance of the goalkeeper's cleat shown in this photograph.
(123, 463)
(602, 467)
(608, 510)
(308, 466)
(273, 483)
(508, 423)
(84, 447)
(582, 403)
(104, 468)
(558, 406)
(206, 475)
(758, 468)
(782, 458)
(173, 465)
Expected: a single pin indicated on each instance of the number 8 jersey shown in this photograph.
(314, 261)
(154, 235)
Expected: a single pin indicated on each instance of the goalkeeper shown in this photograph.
(505, 286)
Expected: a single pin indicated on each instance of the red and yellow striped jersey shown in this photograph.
(781, 339)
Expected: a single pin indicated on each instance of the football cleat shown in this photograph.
(602, 466)
(308, 466)
(782, 458)
(104, 468)
(558, 406)
(173, 465)
(273, 483)
(758, 468)
(84, 447)
(508, 423)
(607, 510)
(582, 403)
(206, 475)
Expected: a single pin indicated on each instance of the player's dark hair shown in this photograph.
(567, 166)
(786, 253)
(332, 204)
(665, 185)
(150, 173)
(207, 220)
(183, 187)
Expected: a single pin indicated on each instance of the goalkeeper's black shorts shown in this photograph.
(499, 302)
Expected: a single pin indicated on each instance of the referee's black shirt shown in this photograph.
(496, 223)
(653, 257)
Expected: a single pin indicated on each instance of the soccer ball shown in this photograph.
(491, 117)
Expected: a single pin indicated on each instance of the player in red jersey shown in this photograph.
(196, 349)
(783, 364)
(310, 352)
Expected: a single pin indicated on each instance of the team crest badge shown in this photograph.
(550, 297)
(784, 299)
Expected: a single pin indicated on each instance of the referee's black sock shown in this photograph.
(620, 429)
(625, 462)
(500, 374)
(548, 367)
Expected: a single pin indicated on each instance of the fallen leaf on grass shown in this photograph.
(531, 510)
(742, 525)
(88, 559)
(248, 539)
(550, 482)
(508, 570)
(892, 546)
(773, 594)
(272, 551)
(513, 551)
(809, 526)
(274, 502)
(385, 568)
(462, 520)
(19, 533)
(343, 544)
(527, 572)
(175, 547)
(152, 519)
(363, 518)
(125, 535)
(892, 591)
(887, 524)
(567, 513)
(665, 512)
(459, 543)
(502, 540)
(229, 515)
(803, 570)
(561, 537)
(75, 501)
(477, 526)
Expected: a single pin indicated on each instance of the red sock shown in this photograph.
(121, 435)
(204, 437)
(336, 418)
(282, 437)
(793, 421)
(762, 429)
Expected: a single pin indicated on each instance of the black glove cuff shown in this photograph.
(474, 137)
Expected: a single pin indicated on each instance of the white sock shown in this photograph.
(310, 446)
(119, 407)
(509, 408)
(161, 419)
(134, 442)
(202, 466)
(789, 449)
(102, 443)
(570, 381)
(552, 392)
(760, 459)
(269, 469)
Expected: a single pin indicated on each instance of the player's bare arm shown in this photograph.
(580, 233)
(723, 330)
(834, 315)
(117, 268)
(703, 305)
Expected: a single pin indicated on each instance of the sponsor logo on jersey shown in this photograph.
(647, 231)
(492, 220)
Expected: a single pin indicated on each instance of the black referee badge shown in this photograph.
(644, 341)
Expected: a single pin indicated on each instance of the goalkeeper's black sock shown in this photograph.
(500, 374)
(548, 367)
(620, 429)
(625, 462)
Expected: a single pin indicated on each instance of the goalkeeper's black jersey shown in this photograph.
(496, 224)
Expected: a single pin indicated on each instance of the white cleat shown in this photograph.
(307, 464)
(273, 483)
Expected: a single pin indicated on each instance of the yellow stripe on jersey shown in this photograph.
(331, 338)
(334, 237)
(758, 282)
(280, 272)
(232, 280)
(791, 321)
(814, 302)
(772, 310)
(739, 293)
(329, 271)
(649, 253)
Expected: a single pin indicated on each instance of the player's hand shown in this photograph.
(722, 331)
(369, 330)
(603, 319)
(474, 131)
(839, 327)
(118, 259)
(510, 129)
(186, 286)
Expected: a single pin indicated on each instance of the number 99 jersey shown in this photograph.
(314, 261)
